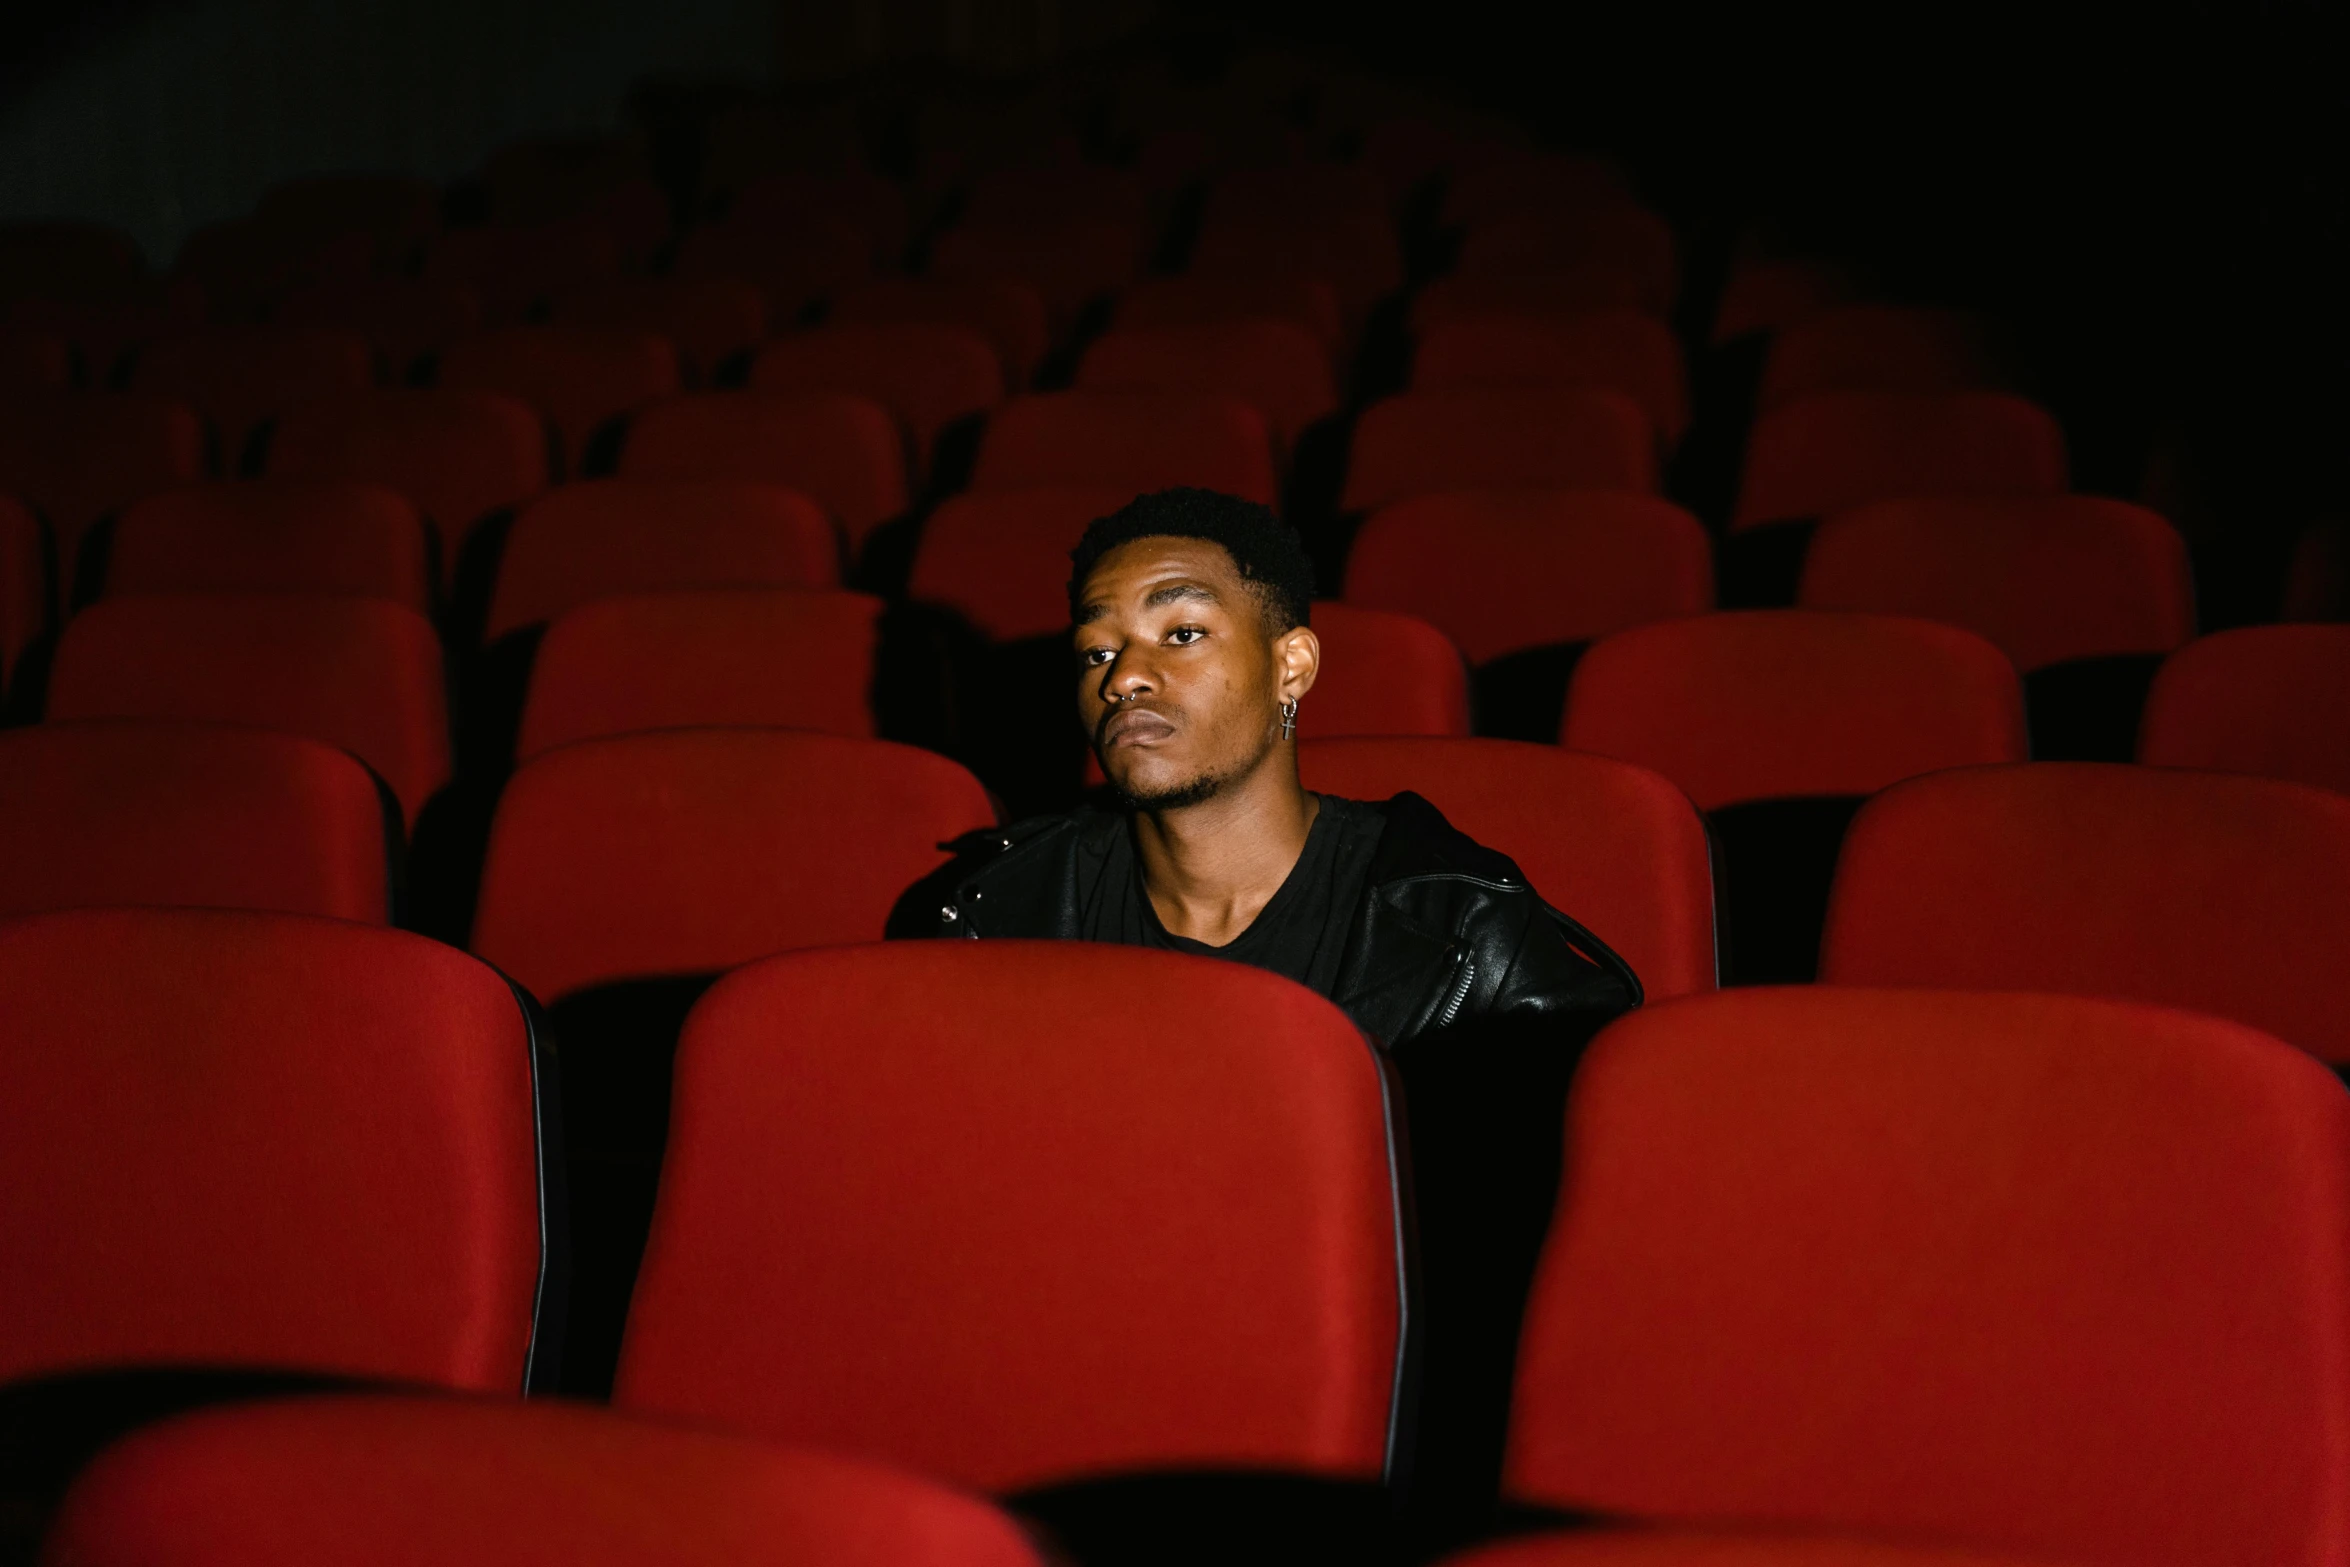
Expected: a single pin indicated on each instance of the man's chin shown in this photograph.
(1155, 794)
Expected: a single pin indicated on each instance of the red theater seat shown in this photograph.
(1355, 252)
(860, 199)
(620, 536)
(517, 268)
(1486, 438)
(711, 320)
(1621, 236)
(1134, 441)
(33, 359)
(274, 535)
(240, 378)
(1215, 1209)
(1298, 298)
(524, 1485)
(2272, 700)
(1019, 194)
(191, 814)
(1626, 351)
(581, 379)
(2208, 891)
(1001, 561)
(1876, 348)
(76, 458)
(1835, 450)
(1504, 572)
(1567, 292)
(407, 319)
(843, 452)
(2317, 583)
(2048, 578)
(782, 658)
(1995, 1272)
(361, 674)
(265, 1140)
(106, 322)
(460, 456)
(1483, 189)
(792, 268)
(1278, 368)
(1383, 674)
(245, 268)
(1007, 312)
(24, 585)
(1764, 294)
(399, 215)
(1617, 847)
(1655, 1547)
(928, 374)
(692, 851)
(1070, 262)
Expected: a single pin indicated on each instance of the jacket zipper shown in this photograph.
(1460, 991)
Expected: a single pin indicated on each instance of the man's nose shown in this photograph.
(1127, 678)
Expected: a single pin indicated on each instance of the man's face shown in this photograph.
(1180, 683)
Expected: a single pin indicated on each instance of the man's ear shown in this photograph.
(1297, 659)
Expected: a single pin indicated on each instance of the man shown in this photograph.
(1193, 657)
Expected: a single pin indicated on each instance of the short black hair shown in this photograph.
(1271, 557)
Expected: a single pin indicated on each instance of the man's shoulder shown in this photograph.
(1417, 842)
(974, 850)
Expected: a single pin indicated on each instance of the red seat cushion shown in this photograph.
(2273, 700)
(1879, 348)
(241, 377)
(274, 535)
(1628, 351)
(1276, 367)
(1001, 561)
(927, 373)
(78, 457)
(1833, 450)
(844, 452)
(1383, 674)
(579, 378)
(1499, 438)
(1134, 441)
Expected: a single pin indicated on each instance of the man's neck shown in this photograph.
(1211, 868)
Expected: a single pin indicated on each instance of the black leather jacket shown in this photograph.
(1449, 936)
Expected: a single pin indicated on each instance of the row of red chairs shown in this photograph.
(1782, 1211)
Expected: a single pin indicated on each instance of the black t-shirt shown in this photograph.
(1300, 933)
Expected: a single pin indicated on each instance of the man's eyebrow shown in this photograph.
(1180, 590)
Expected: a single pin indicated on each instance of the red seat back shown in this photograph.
(695, 850)
(927, 373)
(517, 267)
(783, 658)
(579, 378)
(792, 198)
(2317, 583)
(1355, 252)
(1764, 293)
(203, 815)
(2048, 578)
(1383, 674)
(459, 455)
(2273, 700)
(274, 535)
(1619, 235)
(525, 1485)
(2009, 1273)
(1778, 704)
(24, 584)
(1876, 348)
(843, 452)
(1834, 450)
(1070, 262)
(2217, 893)
(361, 674)
(266, 1140)
(1500, 572)
(1617, 847)
(1566, 292)
(1298, 298)
(240, 378)
(1628, 351)
(792, 268)
(1276, 367)
(711, 320)
(1001, 561)
(619, 536)
(405, 318)
(33, 359)
(398, 214)
(1007, 312)
(75, 458)
(1499, 438)
(1134, 441)
(1215, 1210)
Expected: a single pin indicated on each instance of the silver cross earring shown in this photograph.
(1288, 718)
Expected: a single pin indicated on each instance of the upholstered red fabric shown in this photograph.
(1785, 703)
(2009, 1272)
(1617, 847)
(579, 378)
(517, 267)
(1683, 1548)
(2273, 700)
(459, 455)
(1022, 194)
(2317, 582)
(1383, 674)
(75, 457)
(104, 323)
(1499, 438)
(1569, 291)
(362, 674)
(697, 849)
(398, 213)
(927, 373)
(609, 536)
(783, 658)
(792, 267)
(382, 1482)
(1305, 187)
(1007, 312)
(1833, 450)
(844, 452)
(871, 203)
(2219, 893)
(1626, 350)
(1009, 1247)
(1490, 185)
(1355, 252)
(1135, 441)
(160, 813)
(1001, 561)
(1502, 571)
(263, 1139)
(242, 377)
(1070, 262)
(274, 535)
(405, 318)
(1295, 297)
(34, 359)
(1765, 293)
(711, 320)
(24, 584)
(2049, 578)
(1619, 235)
(1876, 348)
(1277, 367)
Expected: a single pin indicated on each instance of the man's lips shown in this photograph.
(1134, 726)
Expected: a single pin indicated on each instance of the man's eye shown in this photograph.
(1184, 636)
(1094, 657)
